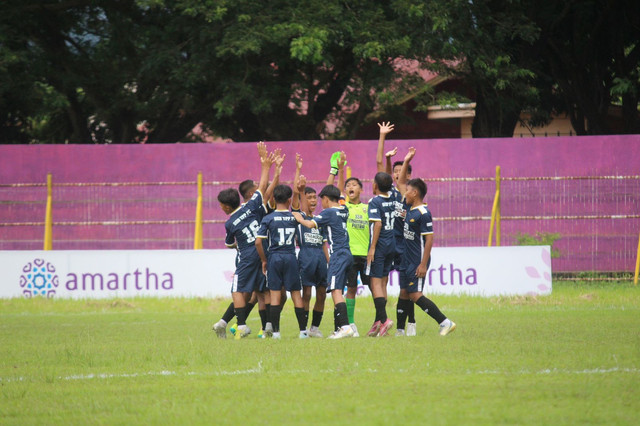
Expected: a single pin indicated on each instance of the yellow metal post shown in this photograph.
(495, 212)
(348, 172)
(48, 222)
(197, 240)
(635, 278)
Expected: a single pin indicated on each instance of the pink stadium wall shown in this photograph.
(612, 250)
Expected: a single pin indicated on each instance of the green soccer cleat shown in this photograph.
(233, 329)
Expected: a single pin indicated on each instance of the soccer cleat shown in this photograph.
(268, 330)
(447, 326)
(315, 332)
(221, 329)
(303, 334)
(242, 332)
(411, 329)
(373, 332)
(261, 334)
(343, 332)
(400, 332)
(355, 330)
(384, 328)
(233, 329)
(276, 335)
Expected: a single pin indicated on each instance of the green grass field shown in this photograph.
(569, 358)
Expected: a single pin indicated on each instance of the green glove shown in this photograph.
(335, 157)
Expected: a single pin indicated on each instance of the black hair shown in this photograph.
(282, 193)
(331, 192)
(246, 186)
(353, 178)
(400, 163)
(309, 190)
(229, 197)
(420, 185)
(384, 181)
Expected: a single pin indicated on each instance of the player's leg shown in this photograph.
(338, 266)
(220, 327)
(291, 278)
(318, 311)
(352, 289)
(401, 312)
(446, 325)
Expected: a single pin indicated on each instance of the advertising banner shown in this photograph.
(482, 271)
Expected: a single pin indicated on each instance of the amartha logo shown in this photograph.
(39, 278)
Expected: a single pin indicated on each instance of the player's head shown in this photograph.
(397, 167)
(353, 188)
(229, 200)
(247, 188)
(416, 190)
(282, 194)
(382, 182)
(312, 198)
(329, 194)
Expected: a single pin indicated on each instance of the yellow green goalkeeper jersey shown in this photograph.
(358, 228)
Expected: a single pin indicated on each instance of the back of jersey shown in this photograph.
(279, 228)
(382, 208)
(242, 227)
(334, 220)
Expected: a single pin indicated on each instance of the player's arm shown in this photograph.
(304, 222)
(333, 172)
(302, 184)
(342, 162)
(278, 160)
(261, 253)
(295, 200)
(404, 171)
(230, 239)
(421, 272)
(266, 160)
(325, 250)
(385, 129)
(377, 227)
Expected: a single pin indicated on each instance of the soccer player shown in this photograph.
(418, 235)
(241, 229)
(313, 255)
(404, 308)
(334, 219)
(382, 210)
(281, 268)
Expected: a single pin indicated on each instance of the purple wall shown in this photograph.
(603, 244)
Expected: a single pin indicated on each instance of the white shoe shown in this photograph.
(355, 330)
(221, 329)
(242, 332)
(315, 332)
(304, 334)
(268, 330)
(276, 335)
(345, 331)
(399, 332)
(411, 329)
(447, 326)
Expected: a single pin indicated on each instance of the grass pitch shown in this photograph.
(569, 358)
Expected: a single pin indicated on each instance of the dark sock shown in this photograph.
(267, 307)
(342, 318)
(401, 312)
(411, 312)
(431, 309)
(300, 317)
(229, 313)
(381, 312)
(316, 319)
(306, 319)
(242, 316)
(335, 320)
(263, 317)
(274, 317)
(249, 308)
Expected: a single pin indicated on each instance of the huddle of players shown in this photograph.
(394, 230)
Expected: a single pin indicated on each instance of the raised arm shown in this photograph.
(279, 159)
(295, 200)
(333, 162)
(342, 163)
(266, 160)
(385, 129)
(302, 184)
(404, 171)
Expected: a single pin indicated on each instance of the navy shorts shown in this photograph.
(248, 276)
(359, 265)
(282, 271)
(382, 261)
(313, 268)
(339, 265)
(409, 281)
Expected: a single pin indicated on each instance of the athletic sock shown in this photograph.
(316, 319)
(229, 313)
(431, 309)
(242, 315)
(381, 311)
(335, 320)
(300, 318)
(274, 317)
(351, 307)
(249, 308)
(411, 312)
(306, 318)
(342, 318)
(263, 317)
(401, 312)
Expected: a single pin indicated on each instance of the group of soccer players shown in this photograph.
(393, 231)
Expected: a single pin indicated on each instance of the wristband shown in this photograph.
(333, 171)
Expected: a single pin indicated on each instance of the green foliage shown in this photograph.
(540, 239)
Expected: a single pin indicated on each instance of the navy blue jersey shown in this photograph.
(280, 229)
(334, 221)
(398, 226)
(242, 227)
(417, 225)
(382, 208)
(310, 238)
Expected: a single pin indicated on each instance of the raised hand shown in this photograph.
(410, 154)
(391, 153)
(298, 161)
(385, 128)
(301, 184)
(262, 150)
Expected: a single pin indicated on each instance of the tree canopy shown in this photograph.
(126, 71)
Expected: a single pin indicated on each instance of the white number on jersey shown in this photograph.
(286, 236)
(251, 231)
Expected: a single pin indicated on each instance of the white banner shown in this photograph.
(484, 271)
